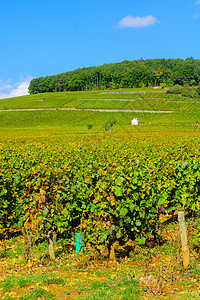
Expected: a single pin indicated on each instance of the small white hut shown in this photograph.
(135, 121)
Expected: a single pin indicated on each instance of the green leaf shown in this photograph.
(118, 191)
(123, 211)
(138, 223)
(140, 241)
(162, 199)
(3, 192)
(119, 234)
(16, 178)
(119, 180)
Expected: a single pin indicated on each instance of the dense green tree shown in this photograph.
(125, 74)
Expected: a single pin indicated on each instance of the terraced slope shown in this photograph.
(73, 111)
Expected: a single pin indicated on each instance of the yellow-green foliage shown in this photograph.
(108, 186)
(107, 183)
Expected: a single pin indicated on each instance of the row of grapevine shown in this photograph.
(110, 188)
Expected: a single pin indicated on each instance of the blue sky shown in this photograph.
(47, 37)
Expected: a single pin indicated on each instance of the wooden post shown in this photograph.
(26, 252)
(182, 228)
(112, 253)
(24, 233)
(50, 242)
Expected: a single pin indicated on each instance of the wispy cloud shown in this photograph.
(137, 22)
(5, 85)
(196, 16)
(8, 90)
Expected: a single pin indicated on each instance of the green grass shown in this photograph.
(8, 283)
(105, 283)
(117, 283)
(11, 282)
(112, 290)
(92, 283)
(37, 293)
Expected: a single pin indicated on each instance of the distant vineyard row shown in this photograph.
(110, 188)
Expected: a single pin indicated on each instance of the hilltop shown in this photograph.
(126, 74)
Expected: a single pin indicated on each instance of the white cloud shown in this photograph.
(137, 22)
(7, 90)
(197, 2)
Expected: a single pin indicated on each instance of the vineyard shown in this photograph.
(114, 186)
(106, 187)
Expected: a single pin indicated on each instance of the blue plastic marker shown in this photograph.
(79, 241)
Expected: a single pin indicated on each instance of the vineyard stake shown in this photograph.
(24, 233)
(50, 242)
(79, 241)
(183, 234)
(26, 252)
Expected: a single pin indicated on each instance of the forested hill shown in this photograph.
(137, 73)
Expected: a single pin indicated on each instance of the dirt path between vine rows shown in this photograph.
(90, 109)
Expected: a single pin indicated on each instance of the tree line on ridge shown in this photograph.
(126, 74)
